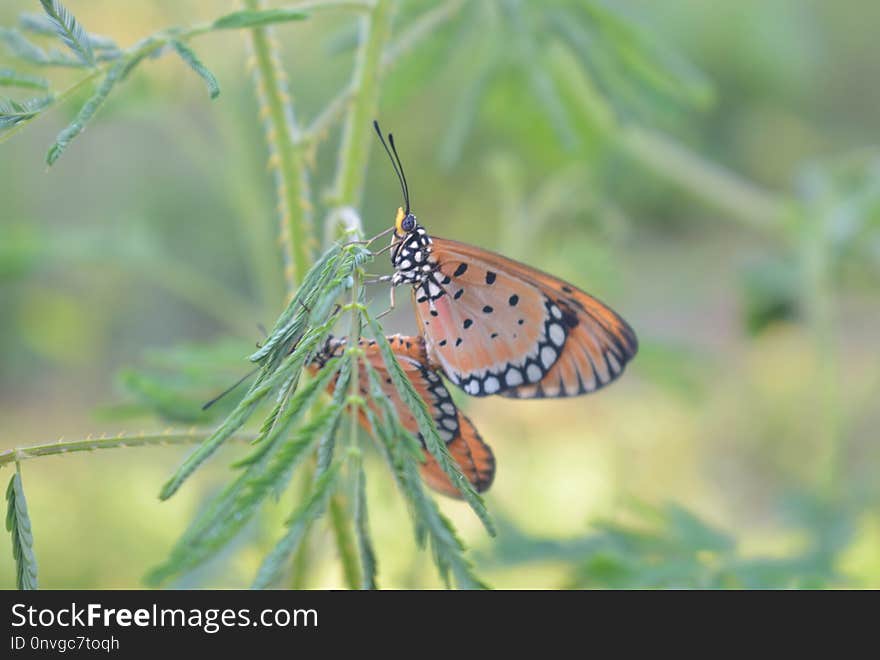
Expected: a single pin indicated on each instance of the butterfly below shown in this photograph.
(474, 457)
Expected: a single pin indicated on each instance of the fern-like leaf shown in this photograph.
(18, 524)
(68, 28)
(273, 566)
(10, 78)
(21, 48)
(362, 531)
(86, 113)
(257, 18)
(42, 24)
(13, 112)
(188, 55)
(428, 428)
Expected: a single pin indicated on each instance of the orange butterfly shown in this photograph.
(474, 457)
(497, 326)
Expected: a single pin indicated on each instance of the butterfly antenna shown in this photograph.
(397, 170)
(229, 389)
(402, 173)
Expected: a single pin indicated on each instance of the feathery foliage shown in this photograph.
(273, 566)
(69, 29)
(428, 429)
(13, 112)
(361, 524)
(43, 25)
(88, 111)
(10, 78)
(257, 18)
(188, 55)
(18, 524)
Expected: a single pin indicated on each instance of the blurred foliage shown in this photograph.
(711, 170)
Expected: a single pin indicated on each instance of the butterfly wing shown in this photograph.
(474, 457)
(498, 326)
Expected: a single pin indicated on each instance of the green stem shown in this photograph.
(118, 442)
(286, 157)
(375, 30)
(713, 184)
(817, 299)
(414, 33)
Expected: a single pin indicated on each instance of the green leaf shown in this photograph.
(13, 112)
(189, 56)
(447, 549)
(228, 513)
(18, 523)
(70, 31)
(297, 526)
(256, 18)
(20, 47)
(428, 428)
(42, 24)
(362, 527)
(288, 348)
(10, 78)
(265, 384)
(86, 113)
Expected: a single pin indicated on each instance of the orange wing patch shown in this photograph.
(578, 344)
(473, 456)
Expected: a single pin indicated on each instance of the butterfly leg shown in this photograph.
(373, 239)
(377, 279)
(391, 307)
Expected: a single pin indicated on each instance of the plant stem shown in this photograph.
(419, 29)
(354, 151)
(817, 299)
(286, 158)
(118, 442)
(715, 185)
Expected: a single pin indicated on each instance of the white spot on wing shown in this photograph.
(548, 356)
(513, 377)
(557, 334)
(491, 385)
(534, 373)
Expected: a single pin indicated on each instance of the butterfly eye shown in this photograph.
(409, 223)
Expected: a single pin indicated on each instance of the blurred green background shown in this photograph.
(739, 449)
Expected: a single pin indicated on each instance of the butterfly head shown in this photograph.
(410, 245)
(404, 223)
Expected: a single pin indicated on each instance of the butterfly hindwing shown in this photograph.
(497, 326)
(473, 456)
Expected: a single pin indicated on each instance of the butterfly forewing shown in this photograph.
(473, 456)
(501, 327)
